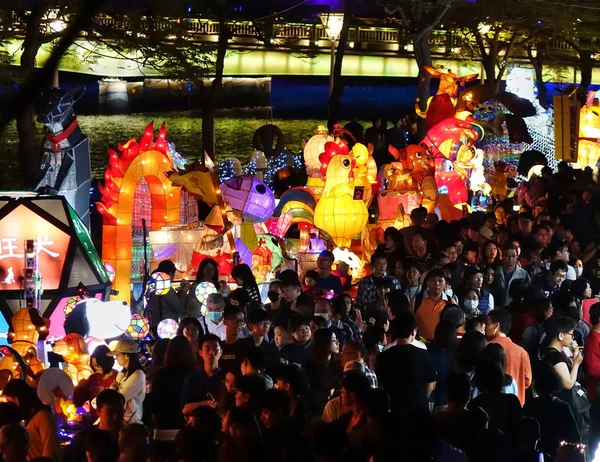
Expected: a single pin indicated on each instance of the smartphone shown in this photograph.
(358, 315)
(211, 397)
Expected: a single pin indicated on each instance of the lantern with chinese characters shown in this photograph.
(313, 149)
(160, 284)
(167, 328)
(250, 196)
(138, 328)
(365, 171)
(203, 290)
(340, 211)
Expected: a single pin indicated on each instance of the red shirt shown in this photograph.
(87, 390)
(591, 362)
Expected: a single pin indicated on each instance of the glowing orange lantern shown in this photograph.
(150, 159)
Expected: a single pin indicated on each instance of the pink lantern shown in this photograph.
(452, 144)
(252, 197)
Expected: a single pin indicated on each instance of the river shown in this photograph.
(234, 137)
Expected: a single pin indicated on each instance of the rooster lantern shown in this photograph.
(340, 211)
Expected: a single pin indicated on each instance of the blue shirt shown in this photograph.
(198, 385)
(331, 282)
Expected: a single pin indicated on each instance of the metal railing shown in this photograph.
(299, 35)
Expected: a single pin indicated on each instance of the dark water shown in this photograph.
(234, 138)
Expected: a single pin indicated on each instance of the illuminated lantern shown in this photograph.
(27, 327)
(106, 319)
(110, 269)
(75, 353)
(300, 204)
(589, 134)
(350, 258)
(138, 328)
(452, 144)
(442, 105)
(314, 148)
(262, 258)
(340, 211)
(366, 171)
(498, 180)
(167, 328)
(71, 305)
(203, 290)
(148, 159)
(250, 196)
(160, 284)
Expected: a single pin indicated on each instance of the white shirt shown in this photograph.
(134, 391)
(210, 327)
(571, 274)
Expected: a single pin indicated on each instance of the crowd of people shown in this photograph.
(476, 340)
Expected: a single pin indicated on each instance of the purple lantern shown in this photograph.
(252, 197)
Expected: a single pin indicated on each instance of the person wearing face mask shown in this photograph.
(470, 303)
(324, 309)
(212, 322)
(274, 296)
(474, 280)
(367, 287)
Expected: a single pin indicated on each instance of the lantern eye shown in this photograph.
(346, 162)
(261, 189)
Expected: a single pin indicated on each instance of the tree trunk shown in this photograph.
(337, 89)
(489, 66)
(29, 148)
(538, 66)
(422, 52)
(586, 66)
(212, 98)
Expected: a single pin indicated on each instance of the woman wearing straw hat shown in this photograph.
(131, 381)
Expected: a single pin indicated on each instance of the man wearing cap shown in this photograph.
(259, 324)
(327, 280)
(203, 387)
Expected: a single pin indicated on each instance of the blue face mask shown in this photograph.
(214, 315)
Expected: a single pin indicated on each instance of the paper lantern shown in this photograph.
(107, 319)
(313, 149)
(167, 328)
(110, 269)
(150, 159)
(442, 105)
(160, 284)
(341, 211)
(138, 328)
(250, 196)
(452, 144)
(589, 133)
(203, 290)
(71, 305)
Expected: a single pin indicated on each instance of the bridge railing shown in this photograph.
(388, 38)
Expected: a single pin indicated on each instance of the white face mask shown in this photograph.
(471, 305)
(448, 293)
(578, 271)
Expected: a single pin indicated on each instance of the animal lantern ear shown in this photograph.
(76, 93)
(39, 323)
